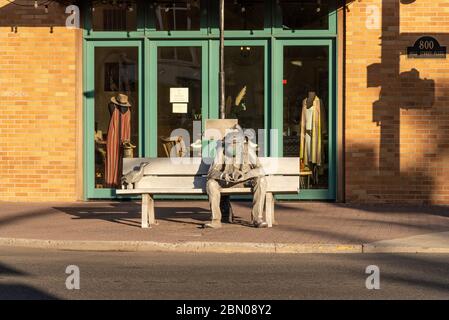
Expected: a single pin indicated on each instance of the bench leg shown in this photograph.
(269, 209)
(147, 210)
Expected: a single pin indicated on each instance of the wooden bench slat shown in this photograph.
(160, 191)
(181, 191)
(275, 184)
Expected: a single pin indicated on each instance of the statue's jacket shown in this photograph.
(244, 163)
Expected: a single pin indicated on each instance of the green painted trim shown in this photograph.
(310, 194)
(148, 116)
(214, 74)
(276, 104)
(152, 106)
(85, 148)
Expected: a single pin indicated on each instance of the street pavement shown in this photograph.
(40, 274)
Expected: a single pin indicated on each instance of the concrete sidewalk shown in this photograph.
(302, 227)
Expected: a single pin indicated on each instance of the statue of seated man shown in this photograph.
(236, 165)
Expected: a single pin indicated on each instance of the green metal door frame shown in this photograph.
(277, 113)
(89, 112)
(147, 39)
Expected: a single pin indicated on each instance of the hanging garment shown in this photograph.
(119, 131)
(311, 132)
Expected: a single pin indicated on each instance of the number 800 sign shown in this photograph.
(426, 47)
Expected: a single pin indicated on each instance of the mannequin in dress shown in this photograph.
(309, 121)
(311, 131)
(119, 132)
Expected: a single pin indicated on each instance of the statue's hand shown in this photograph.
(237, 176)
(225, 176)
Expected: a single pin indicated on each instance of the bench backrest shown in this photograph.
(190, 173)
(200, 166)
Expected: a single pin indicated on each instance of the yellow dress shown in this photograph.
(314, 156)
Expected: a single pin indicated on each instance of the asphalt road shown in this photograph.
(39, 274)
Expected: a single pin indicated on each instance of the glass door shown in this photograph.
(247, 93)
(304, 90)
(178, 97)
(112, 114)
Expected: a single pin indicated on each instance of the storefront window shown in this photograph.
(304, 14)
(179, 97)
(177, 15)
(306, 91)
(244, 85)
(116, 16)
(116, 112)
(244, 14)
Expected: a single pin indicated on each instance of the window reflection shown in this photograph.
(179, 97)
(244, 14)
(177, 15)
(304, 14)
(244, 85)
(306, 83)
(117, 16)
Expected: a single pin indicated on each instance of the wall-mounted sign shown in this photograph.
(179, 107)
(179, 95)
(427, 48)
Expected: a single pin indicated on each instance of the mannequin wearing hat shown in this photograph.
(119, 132)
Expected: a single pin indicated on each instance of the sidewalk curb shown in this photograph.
(213, 247)
(192, 246)
(371, 248)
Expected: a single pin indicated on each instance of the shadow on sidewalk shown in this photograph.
(25, 215)
(130, 213)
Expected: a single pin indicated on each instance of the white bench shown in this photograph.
(188, 177)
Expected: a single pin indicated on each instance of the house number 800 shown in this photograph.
(428, 45)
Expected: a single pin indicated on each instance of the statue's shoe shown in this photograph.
(213, 225)
(260, 224)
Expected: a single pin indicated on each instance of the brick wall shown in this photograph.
(38, 105)
(397, 109)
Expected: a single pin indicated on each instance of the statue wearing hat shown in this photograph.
(119, 136)
(236, 165)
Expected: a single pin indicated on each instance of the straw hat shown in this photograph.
(121, 100)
